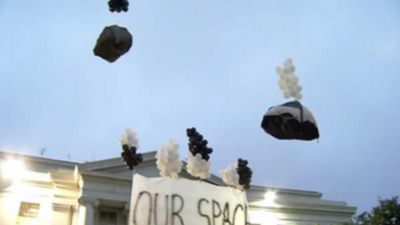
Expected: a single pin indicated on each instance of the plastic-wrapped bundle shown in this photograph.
(112, 43)
(290, 120)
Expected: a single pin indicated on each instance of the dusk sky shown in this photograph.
(211, 65)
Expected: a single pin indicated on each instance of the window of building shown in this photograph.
(107, 218)
(28, 214)
(29, 210)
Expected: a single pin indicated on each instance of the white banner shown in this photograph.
(164, 201)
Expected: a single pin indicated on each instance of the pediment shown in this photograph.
(116, 166)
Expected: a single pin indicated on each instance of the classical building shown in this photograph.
(43, 191)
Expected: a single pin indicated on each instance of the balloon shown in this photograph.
(131, 158)
(295, 80)
(299, 96)
(168, 161)
(129, 144)
(238, 174)
(282, 84)
(290, 86)
(291, 69)
(198, 167)
(245, 173)
(230, 176)
(288, 81)
(279, 70)
(299, 88)
(129, 138)
(124, 140)
(286, 93)
(286, 70)
(118, 5)
(293, 92)
(197, 144)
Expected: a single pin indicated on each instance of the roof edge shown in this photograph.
(39, 159)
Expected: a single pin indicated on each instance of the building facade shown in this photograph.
(40, 191)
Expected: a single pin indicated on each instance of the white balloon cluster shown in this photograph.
(129, 138)
(168, 161)
(230, 176)
(288, 81)
(198, 167)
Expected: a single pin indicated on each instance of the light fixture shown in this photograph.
(270, 196)
(12, 169)
(265, 218)
(269, 199)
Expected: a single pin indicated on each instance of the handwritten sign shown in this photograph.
(164, 201)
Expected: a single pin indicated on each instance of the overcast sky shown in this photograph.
(211, 65)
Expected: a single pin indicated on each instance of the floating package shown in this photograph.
(112, 43)
(290, 121)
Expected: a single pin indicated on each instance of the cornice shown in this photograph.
(38, 160)
(107, 177)
(309, 209)
(89, 201)
(255, 188)
(115, 162)
(62, 207)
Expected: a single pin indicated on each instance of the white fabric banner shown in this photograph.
(164, 201)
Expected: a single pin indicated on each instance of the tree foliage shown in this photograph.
(386, 213)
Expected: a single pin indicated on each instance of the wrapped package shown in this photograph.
(112, 43)
(290, 121)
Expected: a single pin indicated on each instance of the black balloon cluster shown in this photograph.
(197, 144)
(130, 156)
(118, 5)
(245, 173)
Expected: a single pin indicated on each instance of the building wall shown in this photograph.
(8, 209)
(10, 204)
(48, 183)
(278, 217)
(69, 196)
(61, 217)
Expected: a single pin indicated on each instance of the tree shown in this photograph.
(386, 213)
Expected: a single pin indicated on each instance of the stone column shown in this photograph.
(126, 213)
(62, 214)
(91, 204)
(4, 183)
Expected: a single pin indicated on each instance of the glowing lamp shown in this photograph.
(12, 169)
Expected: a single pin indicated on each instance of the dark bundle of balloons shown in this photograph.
(118, 5)
(245, 173)
(131, 158)
(197, 144)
